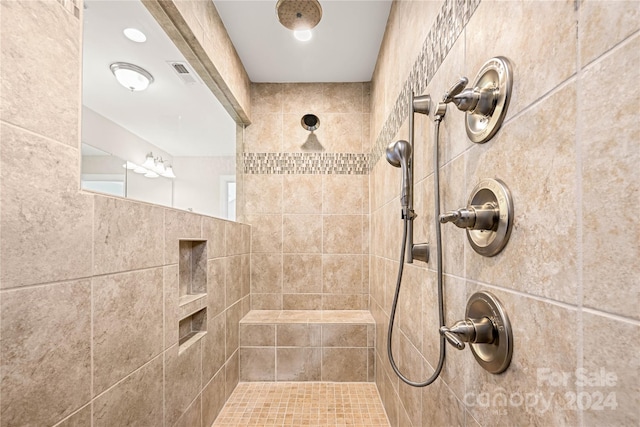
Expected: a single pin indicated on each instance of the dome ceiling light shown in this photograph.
(131, 76)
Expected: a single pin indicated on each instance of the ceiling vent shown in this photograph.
(184, 72)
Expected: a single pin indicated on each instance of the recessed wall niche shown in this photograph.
(192, 280)
(192, 328)
(193, 269)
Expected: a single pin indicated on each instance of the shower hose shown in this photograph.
(394, 305)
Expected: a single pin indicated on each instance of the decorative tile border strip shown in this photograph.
(451, 20)
(306, 163)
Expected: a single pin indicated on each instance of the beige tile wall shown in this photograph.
(310, 231)
(568, 277)
(89, 299)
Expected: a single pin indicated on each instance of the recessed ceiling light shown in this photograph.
(303, 35)
(135, 35)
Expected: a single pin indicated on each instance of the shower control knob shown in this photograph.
(453, 340)
(467, 100)
(487, 331)
(474, 331)
(455, 90)
(477, 101)
(488, 217)
(482, 217)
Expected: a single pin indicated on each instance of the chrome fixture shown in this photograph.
(419, 104)
(484, 211)
(422, 105)
(131, 76)
(399, 155)
(455, 90)
(488, 217)
(486, 329)
(300, 16)
(310, 122)
(486, 101)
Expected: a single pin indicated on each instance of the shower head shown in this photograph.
(398, 152)
(299, 14)
(399, 155)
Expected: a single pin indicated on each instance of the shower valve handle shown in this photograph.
(477, 100)
(483, 217)
(455, 89)
(452, 338)
(474, 331)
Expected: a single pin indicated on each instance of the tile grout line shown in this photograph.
(92, 306)
(579, 238)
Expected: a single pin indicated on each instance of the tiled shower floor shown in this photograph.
(319, 404)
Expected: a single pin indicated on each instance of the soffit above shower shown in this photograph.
(344, 47)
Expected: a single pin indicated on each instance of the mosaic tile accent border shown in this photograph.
(306, 163)
(451, 20)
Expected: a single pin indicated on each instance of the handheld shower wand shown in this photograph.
(399, 155)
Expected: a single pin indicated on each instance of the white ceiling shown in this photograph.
(344, 47)
(181, 119)
(187, 120)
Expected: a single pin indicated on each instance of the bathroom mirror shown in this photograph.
(102, 172)
(168, 141)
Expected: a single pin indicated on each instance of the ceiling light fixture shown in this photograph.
(154, 167)
(303, 35)
(168, 172)
(140, 169)
(131, 76)
(135, 35)
(300, 16)
(149, 161)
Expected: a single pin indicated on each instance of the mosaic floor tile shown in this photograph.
(313, 404)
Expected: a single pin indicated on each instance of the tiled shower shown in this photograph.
(90, 298)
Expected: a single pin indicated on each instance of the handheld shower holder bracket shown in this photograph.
(420, 252)
(407, 213)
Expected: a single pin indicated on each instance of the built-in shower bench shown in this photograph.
(307, 345)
